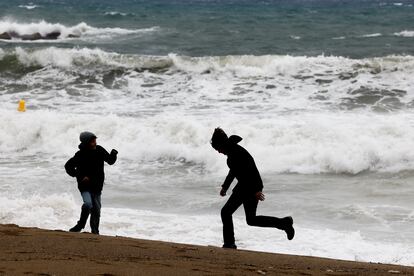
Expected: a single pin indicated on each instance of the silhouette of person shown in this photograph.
(248, 190)
(88, 167)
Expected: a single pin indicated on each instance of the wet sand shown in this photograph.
(32, 251)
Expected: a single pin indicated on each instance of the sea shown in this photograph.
(321, 91)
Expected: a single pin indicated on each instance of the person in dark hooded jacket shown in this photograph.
(88, 167)
(248, 190)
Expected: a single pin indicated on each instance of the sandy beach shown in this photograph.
(33, 251)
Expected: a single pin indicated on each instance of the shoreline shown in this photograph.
(34, 251)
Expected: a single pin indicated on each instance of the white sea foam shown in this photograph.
(31, 6)
(256, 65)
(65, 58)
(311, 143)
(405, 33)
(117, 13)
(372, 35)
(82, 29)
(61, 211)
(269, 65)
(252, 65)
(52, 211)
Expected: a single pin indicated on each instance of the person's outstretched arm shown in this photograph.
(110, 158)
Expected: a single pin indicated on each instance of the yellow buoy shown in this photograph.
(22, 106)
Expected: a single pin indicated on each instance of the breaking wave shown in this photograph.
(405, 33)
(312, 144)
(242, 65)
(29, 7)
(80, 30)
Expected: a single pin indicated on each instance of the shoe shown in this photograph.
(290, 231)
(76, 228)
(95, 232)
(230, 246)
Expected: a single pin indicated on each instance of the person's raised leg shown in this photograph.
(250, 208)
(227, 211)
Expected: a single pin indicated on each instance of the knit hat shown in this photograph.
(86, 137)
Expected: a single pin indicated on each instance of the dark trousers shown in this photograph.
(91, 205)
(250, 206)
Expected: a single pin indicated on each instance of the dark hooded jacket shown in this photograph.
(90, 163)
(243, 168)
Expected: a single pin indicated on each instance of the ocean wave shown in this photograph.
(81, 58)
(80, 30)
(30, 6)
(372, 35)
(117, 13)
(291, 65)
(247, 84)
(284, 83)
(296, 37)
(397, 4)
(242, 65)
(316, 143)
(405, 33)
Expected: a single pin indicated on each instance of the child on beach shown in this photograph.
(88, 167)
(248, 190)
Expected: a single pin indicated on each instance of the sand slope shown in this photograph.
(31, 251)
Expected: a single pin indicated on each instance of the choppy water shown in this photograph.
(321, 92)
